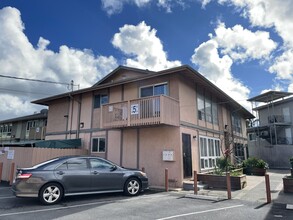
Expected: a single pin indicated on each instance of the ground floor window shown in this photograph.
(239, 152)
(209, 152)
(99, 145)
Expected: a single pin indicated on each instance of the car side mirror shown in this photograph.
(113, 168)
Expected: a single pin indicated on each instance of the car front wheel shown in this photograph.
(132, 187)
(51, 194)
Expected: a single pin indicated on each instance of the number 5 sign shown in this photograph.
(134, 109)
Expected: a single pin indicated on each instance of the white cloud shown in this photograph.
(14, 106)
(204, 3)
(283, 65)
(116, 6)
(233, 44)
(242, 44)
(144, 48)
(218, 70)
(276, 15)
(19, 58)
(268, 13)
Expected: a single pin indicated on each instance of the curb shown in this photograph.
(203, 197)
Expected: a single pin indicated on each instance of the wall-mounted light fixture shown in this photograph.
(65, 116)
(194, 137)
(81, 124)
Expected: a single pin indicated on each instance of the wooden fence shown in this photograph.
(27, 157)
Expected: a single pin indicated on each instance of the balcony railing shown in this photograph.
(278, 119)
(153, 110)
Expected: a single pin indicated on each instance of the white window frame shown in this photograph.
(98, 149)
(209, 154)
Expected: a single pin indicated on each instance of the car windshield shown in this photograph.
(44, 163)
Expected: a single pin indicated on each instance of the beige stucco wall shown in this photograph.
(86, 110)
(114, 146)
(152, 142)
(85, 141)
(188, 107)
(56, 137)
(115, 94)
(131, 91)
(129, 148)
(57, 111)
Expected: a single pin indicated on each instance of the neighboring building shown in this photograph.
(173, 119)
(21, 130)
(270, 136)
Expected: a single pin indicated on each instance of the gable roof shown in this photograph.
(186, 70)
(121, 69)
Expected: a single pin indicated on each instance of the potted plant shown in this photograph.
(254, 166)
(288, 180)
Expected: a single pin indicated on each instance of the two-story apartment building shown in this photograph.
(271, 136)
(173, 119)
(21, 130)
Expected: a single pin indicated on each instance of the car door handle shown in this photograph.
(60, 172)
(95, 172)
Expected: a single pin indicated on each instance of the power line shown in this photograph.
(21, 91)
(34, 80)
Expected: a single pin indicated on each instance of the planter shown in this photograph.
(216, 181)
(288, 184)
(254, 171)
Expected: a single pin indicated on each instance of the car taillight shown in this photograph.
(24, 175)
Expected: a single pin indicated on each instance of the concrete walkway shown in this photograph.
(256, 189)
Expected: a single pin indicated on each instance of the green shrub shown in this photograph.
(223, 164)
(254, 162)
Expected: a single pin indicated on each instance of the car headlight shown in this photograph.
(143, 174)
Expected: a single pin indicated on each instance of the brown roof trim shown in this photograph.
(41, 115)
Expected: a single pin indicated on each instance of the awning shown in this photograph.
(269, 96)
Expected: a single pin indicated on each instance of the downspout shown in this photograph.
(66, 116)
(71, 115)
(78, 117)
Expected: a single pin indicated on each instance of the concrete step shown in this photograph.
(188, 185)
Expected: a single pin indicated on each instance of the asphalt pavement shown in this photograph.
(248, 203)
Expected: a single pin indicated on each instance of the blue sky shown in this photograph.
(243, 46)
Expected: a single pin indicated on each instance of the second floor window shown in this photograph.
(100, 100)
(207, 109)
(160, 89)
(236, 123)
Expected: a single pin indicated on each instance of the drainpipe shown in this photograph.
(71, 115)
(78, 117)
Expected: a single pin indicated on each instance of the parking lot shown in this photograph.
(149, 205)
